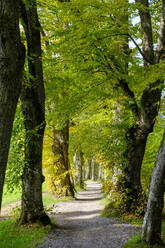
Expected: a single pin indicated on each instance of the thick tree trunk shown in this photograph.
(134, 156)
(151, 231)
(145, 114)
(60, 150)
(12, 54)
(79, 161)
(33, 107)
(137, 138)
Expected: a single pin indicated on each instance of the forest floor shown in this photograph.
(79, 224)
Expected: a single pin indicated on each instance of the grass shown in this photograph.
(27, 236)
(49, 199)
(134, 242)
(10, 197)
(104, 201)
(15, 196)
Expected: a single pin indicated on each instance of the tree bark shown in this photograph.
(33, 108)
(93, 169)
(88, 171)
(12, 54)
(60, 150)
(79, 161)
(151, 230)
(100, 172)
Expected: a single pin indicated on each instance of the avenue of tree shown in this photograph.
(98, 111)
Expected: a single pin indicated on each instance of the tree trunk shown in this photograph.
(137, 138)
(151, 230)
(93, 169)
(100, 172)
(79, 161)
(33, 107)
(88, 171)
(12, 54)
(146, 114)
(60, 150)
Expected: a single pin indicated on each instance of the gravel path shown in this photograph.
(79, 224)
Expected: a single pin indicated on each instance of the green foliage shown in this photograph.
(16, 153)
(14, 236)
(83, 61)
(121, 200)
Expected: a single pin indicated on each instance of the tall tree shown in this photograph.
(12, 53)
(147, 112)
(104, 60)
(33, 107)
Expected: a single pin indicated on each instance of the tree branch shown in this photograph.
(146, 25)
(139, 49)
(160, 51)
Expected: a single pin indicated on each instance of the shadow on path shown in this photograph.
(79, 224)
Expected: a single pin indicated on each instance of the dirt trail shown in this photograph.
(79, 224)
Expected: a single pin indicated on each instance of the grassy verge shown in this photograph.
(27, 236)
(10, 197)
(134, 242)
(48, 198)
(15, 195)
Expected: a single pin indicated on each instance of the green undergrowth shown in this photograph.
(80, 188)
(111, 212)
(26, 236)
(104, 201)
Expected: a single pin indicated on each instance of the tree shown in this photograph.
(147, 112)
(78, 165)
(33, 108)
(88, 170)
(12, 54)
(92, 47)
(151, 230)
(60, 150)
